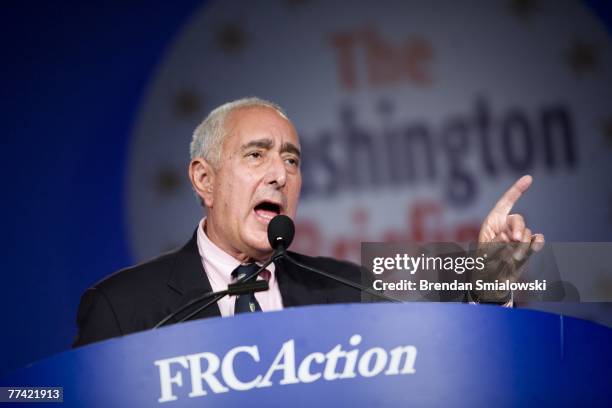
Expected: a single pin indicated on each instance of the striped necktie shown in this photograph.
(246, 303)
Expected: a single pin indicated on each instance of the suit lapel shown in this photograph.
(189, 279)
(298, 287)
(286, 284)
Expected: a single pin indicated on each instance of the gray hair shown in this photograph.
(207, 141)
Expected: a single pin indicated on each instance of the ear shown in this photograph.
(202, 177)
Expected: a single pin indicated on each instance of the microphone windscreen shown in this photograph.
(281, 231)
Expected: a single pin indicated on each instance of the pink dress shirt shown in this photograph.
(219, 266)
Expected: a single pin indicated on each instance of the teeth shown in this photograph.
(268, 215)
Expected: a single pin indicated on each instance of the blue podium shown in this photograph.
(418, 354)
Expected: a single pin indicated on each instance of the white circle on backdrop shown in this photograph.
(516, 59)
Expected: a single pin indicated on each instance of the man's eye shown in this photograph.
(255, 155)
(293, 162)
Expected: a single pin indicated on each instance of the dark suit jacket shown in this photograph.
(136, 298)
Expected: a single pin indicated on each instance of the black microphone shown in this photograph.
(280, 233)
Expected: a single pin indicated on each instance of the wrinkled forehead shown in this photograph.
(252, 123)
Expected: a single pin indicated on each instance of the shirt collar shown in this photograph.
(210, 252)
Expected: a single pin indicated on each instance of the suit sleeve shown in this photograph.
(96, 319)
(367, 280)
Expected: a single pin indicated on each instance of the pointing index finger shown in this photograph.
(510, 197)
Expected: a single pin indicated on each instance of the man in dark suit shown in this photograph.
(245, 169)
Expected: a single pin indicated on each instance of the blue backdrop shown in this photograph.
(73, 78)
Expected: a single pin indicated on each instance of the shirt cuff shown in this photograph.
(509, 303)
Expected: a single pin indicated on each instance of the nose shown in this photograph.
(277, 172)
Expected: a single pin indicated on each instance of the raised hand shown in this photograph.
(507, 241)
(501, 226)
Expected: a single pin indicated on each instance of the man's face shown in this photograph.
(258, 178)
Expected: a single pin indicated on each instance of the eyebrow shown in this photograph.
(260, 143)
(267, 144)
(291, 148)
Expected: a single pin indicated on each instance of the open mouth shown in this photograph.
(267, 210)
